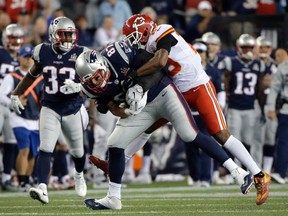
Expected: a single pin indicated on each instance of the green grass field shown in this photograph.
(161, 198)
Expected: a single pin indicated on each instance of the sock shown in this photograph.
(267, 164)
(79, 163)
(210, 147)
(230, 165)
(146, 164)
(268, 157)
(26, 179)
(6, 177)
(21, 180)
(9, 154)
(115, 189)
(43, 167)
(116, 164)
(147, 149)
(260, 174)
(240, 152)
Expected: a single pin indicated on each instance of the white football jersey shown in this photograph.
(185, 63)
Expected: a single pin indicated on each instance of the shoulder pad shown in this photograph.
(36, 52)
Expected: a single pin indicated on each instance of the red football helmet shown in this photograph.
(137, 29)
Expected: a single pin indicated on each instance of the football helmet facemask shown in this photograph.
(137, 29)
(13, 37)
(93, 70)
(245, 46)
(63, 33)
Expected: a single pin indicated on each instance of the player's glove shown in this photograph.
(16, 104)
(70, 87)
(129, 80)
(135, 93)
(135, 107)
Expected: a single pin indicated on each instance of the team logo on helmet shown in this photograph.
(138, 22)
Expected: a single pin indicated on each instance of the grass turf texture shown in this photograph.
(161, 198)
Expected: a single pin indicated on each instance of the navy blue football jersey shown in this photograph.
(271, 67)
(8, 63)
(121, 58)
(244, 77)
(56, 68)
(219, 62)
(215, 77)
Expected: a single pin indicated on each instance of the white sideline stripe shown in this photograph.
(166, 196)
(147, 212)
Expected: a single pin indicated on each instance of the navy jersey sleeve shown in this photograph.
(215, 76)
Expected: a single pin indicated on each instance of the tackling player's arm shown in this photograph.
(114, 108)
(160, 57)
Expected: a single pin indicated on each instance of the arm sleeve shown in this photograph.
(149, 81)
(166, 42)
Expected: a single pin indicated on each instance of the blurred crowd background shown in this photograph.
(100, 21)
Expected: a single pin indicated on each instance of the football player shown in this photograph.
(214, 46)
(242, 83)
(102, 78)
(60, 111)
(263, 147)
(278, 109)
(190, 78)
(12, 39)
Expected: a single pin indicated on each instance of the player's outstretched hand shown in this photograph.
(70, 87)
(16, 104)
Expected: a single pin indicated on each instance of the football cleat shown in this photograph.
(108, 202)
(243, 178)
(8, 186)
(100, 164)
(80, 184)
(248, 183)
(40, 193)
(262, 187)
